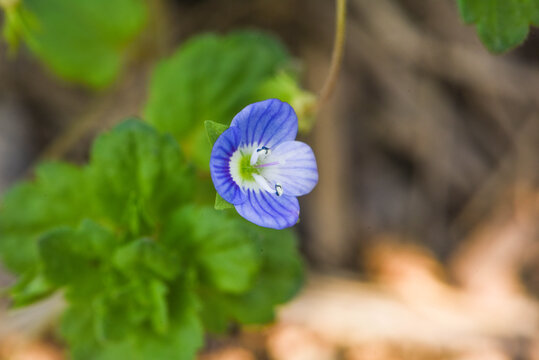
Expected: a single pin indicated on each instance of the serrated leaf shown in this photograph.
(71, 256)
(129, 306)
(214, 130)
(58, 197)
(146, 255)
(278, 280)
(209, 77)
(501, 24)
(139, 176)
(180, 343)
(223, 255)
(183, 338)
(222, 204)
(29, 288)
(75, 39)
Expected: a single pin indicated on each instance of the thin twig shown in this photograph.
(336, 57)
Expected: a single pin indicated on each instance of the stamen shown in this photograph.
(278, 190)
(256, 154)
(262, 182)
(267, 164)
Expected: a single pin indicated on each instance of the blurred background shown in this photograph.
(421, 236)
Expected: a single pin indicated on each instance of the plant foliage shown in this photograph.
(501, 24)
(83, 41)
(210, 77)
(144, 270)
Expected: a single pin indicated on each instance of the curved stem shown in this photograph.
(336, 57)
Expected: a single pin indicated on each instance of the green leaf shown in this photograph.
(136, 179)
(222, 204)
(58, 197)
(285, 87)
(209, 77)
(71, 256)
(30, 287)
(121, 306)
(82, 41)
(77, 328)
(180, 343)
(129, 305)
(214, 130)
(224, 255)
(279, 278)
(146, 255)
(501, 24)
(183, 338)
(139, 176)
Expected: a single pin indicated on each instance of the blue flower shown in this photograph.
(257, 165)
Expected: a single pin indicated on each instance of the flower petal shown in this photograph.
(222, 150)
(269, 210)
(296, 172)
(266, 123)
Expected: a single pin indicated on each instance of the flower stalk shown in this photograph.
(337, 55)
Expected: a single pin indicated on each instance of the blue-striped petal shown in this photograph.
(269, 210)
(266, 123)
(296, 169)
(221, 153)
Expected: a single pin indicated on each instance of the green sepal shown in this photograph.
(214, 130)
(222, 204)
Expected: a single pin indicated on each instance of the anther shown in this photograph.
(256, 154)
(266, 150)
(278, 190)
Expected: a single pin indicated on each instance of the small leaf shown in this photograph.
(181, 341)
(501, 24)
(222, 204)
(74, 39)
(71, 256)
(224, 255)
(285, 87)
(59, 196)
(158, 297)
(279, 278)
(214, 130)
(139, 176)
(216, 76)
(30, 287)
(146, 255)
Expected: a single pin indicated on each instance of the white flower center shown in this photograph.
(247, 165)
